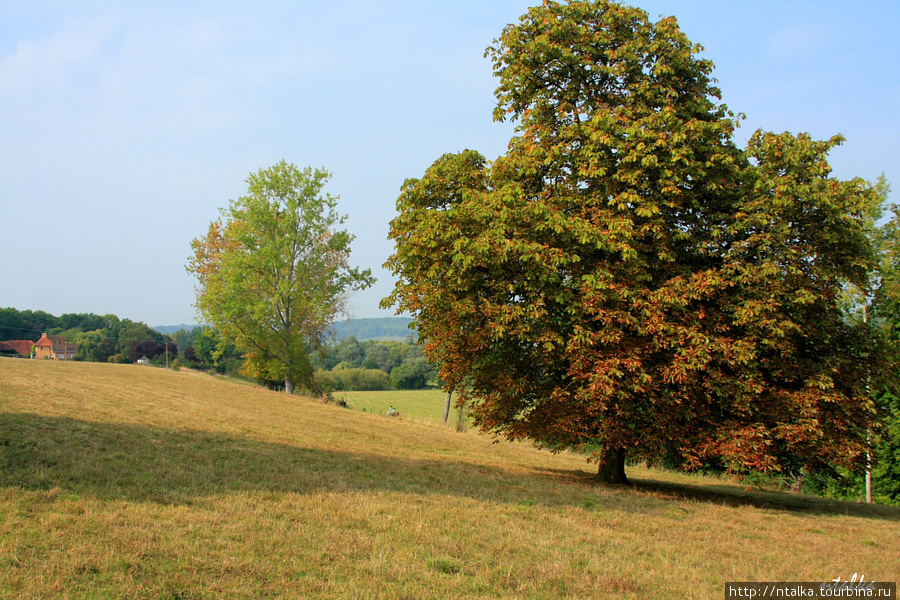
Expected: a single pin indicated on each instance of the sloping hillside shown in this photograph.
(125, 481)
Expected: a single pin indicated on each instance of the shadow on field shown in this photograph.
(737, 495)
(142, 463)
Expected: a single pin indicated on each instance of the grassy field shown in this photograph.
(118, 481)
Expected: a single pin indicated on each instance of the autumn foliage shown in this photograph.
(628, 281)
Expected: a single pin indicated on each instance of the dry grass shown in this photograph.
(120, 481)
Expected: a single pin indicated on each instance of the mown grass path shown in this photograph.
(119, 481)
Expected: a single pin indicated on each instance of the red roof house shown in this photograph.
(43, 348)
(16, 347)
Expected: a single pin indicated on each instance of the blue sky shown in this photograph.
(126, 126)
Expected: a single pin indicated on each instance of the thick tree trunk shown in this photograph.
(612, 469)
(288, 385)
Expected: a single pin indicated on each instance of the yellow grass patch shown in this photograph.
(118, 481)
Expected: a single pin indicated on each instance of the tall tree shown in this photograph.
(273, 271)
(620, 280)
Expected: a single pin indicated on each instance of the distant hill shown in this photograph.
(169, 329)
(383, 328)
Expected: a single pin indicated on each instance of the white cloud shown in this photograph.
(53, 62)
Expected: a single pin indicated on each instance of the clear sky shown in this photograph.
(125, 126)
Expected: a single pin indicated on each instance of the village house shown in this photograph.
(64, 350)
(16, 348)
(43, 348)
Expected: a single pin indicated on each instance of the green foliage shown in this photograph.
(128, 333)
(378, 356)
(273, 271)
(206, 343)
(30, 324)
(95, 346)
(350, 351)
(886, 474)
(401, 365)
(624, 277)
(411, 375)
(351, 378)
(12, 325)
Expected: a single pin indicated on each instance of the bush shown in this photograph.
(411, 375)
(352, 380)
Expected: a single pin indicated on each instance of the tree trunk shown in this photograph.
(447, 407)
(288, 376)
(612, 469)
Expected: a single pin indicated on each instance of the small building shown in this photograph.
(43, 348)
(63, 350)
(143, 360)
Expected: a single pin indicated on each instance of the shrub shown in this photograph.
(352, 380)
(411, 375)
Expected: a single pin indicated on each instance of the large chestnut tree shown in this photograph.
(625, 279)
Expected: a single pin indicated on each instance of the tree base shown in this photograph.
(612, 467)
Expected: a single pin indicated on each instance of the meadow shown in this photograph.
(120, 481)
(425, 406)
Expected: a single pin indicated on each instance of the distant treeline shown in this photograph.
(350, 364)
(372, 365)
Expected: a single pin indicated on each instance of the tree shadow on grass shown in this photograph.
(152, 464)
(738, 495)
(143, 463)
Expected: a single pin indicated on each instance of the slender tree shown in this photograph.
(273, 271)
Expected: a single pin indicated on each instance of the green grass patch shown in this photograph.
(426, 406)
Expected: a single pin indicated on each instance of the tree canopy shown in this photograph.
(273, 271)
(625, 279)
